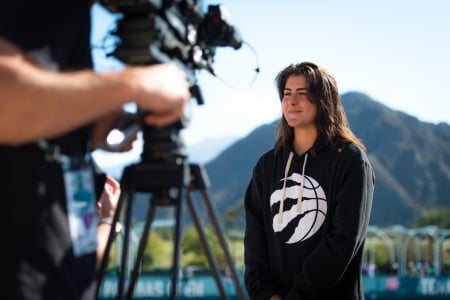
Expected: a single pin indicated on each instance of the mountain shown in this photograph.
(201, 152)
(411, 160)
(208, 149)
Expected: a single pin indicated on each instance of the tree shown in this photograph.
(435, 216)
(192, 250)
(158, 252)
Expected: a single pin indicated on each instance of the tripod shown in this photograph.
(168, 183)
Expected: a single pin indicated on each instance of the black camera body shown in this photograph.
(176, 31)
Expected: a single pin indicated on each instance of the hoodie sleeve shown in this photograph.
(353, 193)
(257, 275)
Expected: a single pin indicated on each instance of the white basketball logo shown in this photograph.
(313, 208)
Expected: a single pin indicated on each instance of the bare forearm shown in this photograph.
(37, 104)
(106, 206)
(103, 232)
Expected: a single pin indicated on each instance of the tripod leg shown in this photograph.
(176, 247)
(223, 243)
(201, 182)
(141, 249)
(211, 260)
(104, 262)
(125, 246)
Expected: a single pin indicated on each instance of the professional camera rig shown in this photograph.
(162, 31)
(176, 31)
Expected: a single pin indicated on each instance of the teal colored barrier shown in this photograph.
(157, 286)
(407, 288)
(202, 286)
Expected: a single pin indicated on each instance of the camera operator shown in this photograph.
(54, 110)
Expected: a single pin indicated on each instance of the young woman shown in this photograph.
(309, 200)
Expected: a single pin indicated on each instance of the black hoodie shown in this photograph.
(309, 248)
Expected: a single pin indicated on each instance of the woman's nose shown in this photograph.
(293, 100)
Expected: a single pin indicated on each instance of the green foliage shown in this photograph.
(376, 251)
(435, 216)
(158, 252)
(192, 250)
(237, 252)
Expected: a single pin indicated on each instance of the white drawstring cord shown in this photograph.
(300, 194)
(286, 170)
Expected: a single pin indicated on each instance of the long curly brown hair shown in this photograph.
(331, 121)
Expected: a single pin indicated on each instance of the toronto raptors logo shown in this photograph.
(309, 215)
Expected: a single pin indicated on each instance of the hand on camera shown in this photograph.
(162, 90)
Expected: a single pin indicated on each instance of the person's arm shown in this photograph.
(345, 237)
(36, 103)
(106, 207)
(257, 274)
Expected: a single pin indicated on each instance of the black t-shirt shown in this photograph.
(36, 251)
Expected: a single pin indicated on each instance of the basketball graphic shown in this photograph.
(299, 224)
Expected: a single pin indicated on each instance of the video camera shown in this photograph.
(176, 31)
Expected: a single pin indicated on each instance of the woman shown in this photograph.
(309, 200)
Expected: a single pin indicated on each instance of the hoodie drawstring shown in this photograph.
(286, 170)
(300, 195)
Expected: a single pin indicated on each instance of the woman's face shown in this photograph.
(298, 110)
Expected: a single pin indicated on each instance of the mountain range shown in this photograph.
(411, 160)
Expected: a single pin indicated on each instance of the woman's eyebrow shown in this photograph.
(297, 89)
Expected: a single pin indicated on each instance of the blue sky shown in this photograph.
(396, 51)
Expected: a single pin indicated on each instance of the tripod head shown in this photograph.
(160, 31)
